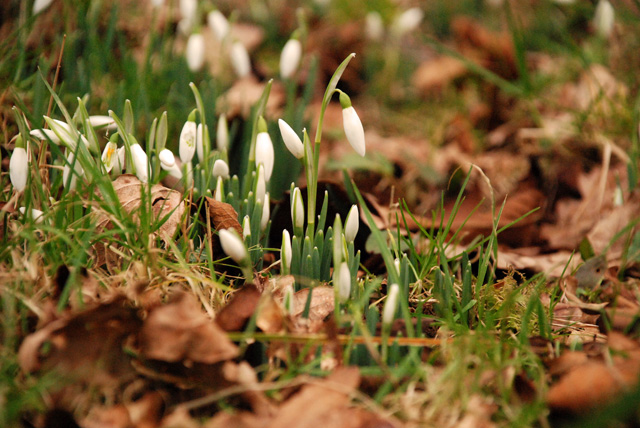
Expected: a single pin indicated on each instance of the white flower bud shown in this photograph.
(264, 154)
(36, 215)
(285, 250)
(218, 194)
(200, 134)
(373, 26)
(290, 58)
(40, 5)
(195, 52)
(352, 125)
(291, 139)
(218, 24)
(232, 245)
(297, 209)
(344, 282)
(188, 9)
(604, 18)
(240, 59)
(141, 162)
(266, 212)
(352, 224)
(19, 168)
(187, 145)
(222, 133)
(246, 227)
(396, 264)
(45, 134)
(220, 169)
(168, 163)
(102, 122)
(390, 305)
(407, 21)
(261, 185)
(109, 155)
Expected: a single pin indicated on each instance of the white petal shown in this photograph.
(200, 142)
(167, 159)
(604, 18)
(265, 154)
(220, 169)
(285, 249)
(291, 139)
(40, 5)
(36, 214)
(408, 21)
(266, 212)
(232, 245)
(141, 162)
(222, 133)
(373, 26)
(103, 122)
(218, 23)
(188, 9)
(390, 305)
(195, 52)
(297, 209)
(290, 58)
(352, 224)
(344, 282)
(45, 134)
(246, 227)
(109, 155)
(240, 59)
(19, 168)
(188, 141)
(353, 130)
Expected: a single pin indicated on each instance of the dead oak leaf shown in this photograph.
(180, 331)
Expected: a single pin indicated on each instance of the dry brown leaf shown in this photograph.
(164, 202)
(180, 331)
(322, 303)
(223, 216)
(86, 346)
(436, 73)
(235, 314)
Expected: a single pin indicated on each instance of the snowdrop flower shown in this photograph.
(232, 245)
(396, 264)
(373, 26)
(352, 125)
(19, 166)
(264, 153)
(119, 163)
(168, 163)
(219, 192)
(188, 137)
(266, 212)
(344, 283)
(195, 52)
(240, 59)
(220, 169)
(45, 134)
(109, 155)
(389, 310)
(40, 5)
(65, 133)
(261, 185)
(285, 252)
(246, 227)
(603, 19)
(297, 209)
(36, 215)
(291, 139)
(290, 57)
(218, 24)
(140, 162)
(352, 224)
(407, 21)
(102, 122)
(222, 133)
(188, 9)
(78, 171)
(201, 131)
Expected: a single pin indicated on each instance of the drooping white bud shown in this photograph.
(344, 282)
(19, 168)
(352, 125)
(265, 154)
(240, 59)
(390, 306)
(407, 21)
(168, 163)
(140, 162)
(232, 245)
(604, 18)
(102, 122)
(195, 52)
(291, 139)
(36, 214)
(218, 24)
(45, 134)
(352, 224)
(290, 58)
(373, 26)
(220, 169)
